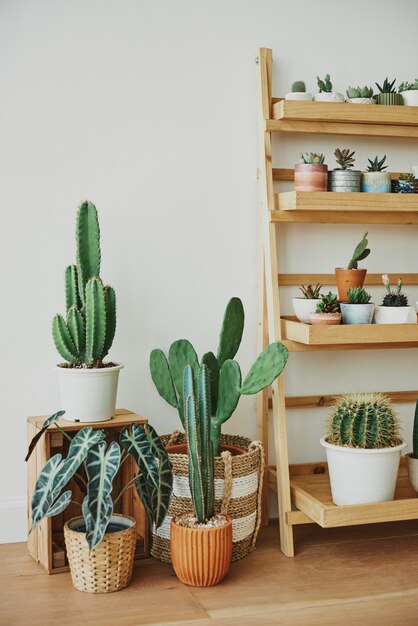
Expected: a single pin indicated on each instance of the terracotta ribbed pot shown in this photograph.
(325, 319)
(201, 557)
(311, 177)
(346, 279)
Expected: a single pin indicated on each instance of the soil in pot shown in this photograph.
(347, 279)
(311, 177)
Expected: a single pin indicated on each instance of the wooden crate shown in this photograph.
(46, 542)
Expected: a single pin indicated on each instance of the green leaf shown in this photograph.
(61, 504)
(231, 332)
(85, 439)
(43, 496)
(161, 376)
(182, 353)
(45, 424)
(229, 390)
(265, 369)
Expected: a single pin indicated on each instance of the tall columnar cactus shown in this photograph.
(363, 420)
(86, 334)
(197, 418)
(225, 373)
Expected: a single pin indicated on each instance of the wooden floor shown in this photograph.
(359, 575)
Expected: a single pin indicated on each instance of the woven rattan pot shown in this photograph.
(109, 566)
(238, 488)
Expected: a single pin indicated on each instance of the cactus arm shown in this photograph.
(207, 463)
(75, 323)
(88, 246)
(194, 445)
(181, 353)
(211, 362)
(95, 320)
(110, 307)
(415, 433)
(161, 376)
(229, 395)
(231, 331)
(71, 288)
(267, 367)
(62, 339)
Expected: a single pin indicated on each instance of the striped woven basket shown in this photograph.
(238, 487)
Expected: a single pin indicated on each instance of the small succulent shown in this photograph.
(329, 304)
(387, 87)
(324, 85)
(405, 86)
(344, 158)
(298, 86)
(361, 251)
(310, 157)
(406, 176)
(358, 295)
(359, 92)
(376, 165)
(311, 292)
(393, 298)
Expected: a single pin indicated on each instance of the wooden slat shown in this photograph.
(327, 399)
(340, 128)
(295, 346)
(344, 201)
(287, 280)
(345, 217)
(288, 174)
(123, 417)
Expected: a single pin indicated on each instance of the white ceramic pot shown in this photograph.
(357, 313)
(410, 97)
(361, 100)
(299, 95)
(394, 315)
(412, 465)
(324, 96)
(361, 476)
(376, 182)
(303, 307)
(88, 395)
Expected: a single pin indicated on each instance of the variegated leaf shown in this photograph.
(60, 504)
(43, 498)
(45, 424)
(102, 466)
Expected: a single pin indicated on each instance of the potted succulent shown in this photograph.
(394, 308)
(409, 93)
(388, 93)
(303, 307)
(358, 309)
(100, 544)
(325, 91)
(343, 178)
(412, 457)
(374, 179)
(360, 95)
(299, 92)
(352, 276)
(363, 446)
(311, 173)
(83, 338)
(327, 312)
(406, 183)
(201, 540)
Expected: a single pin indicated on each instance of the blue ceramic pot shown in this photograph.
(376, 182)
(357, 313)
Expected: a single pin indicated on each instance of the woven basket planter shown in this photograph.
(238, 487)
(109, 566)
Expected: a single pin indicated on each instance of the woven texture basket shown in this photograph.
(238, 487)
(109, 566)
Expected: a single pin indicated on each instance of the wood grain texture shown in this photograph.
(288, 174)
(286, 280)
(346, 201)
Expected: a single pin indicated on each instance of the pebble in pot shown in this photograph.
(299, 92)
(343, 178)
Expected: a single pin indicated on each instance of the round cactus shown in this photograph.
(298, 86)
(363, 420)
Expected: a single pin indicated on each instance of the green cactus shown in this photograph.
(358, 295)
(324, 85)
(363, 420)
(197, 412)
(360, 92)
(298, 86)
(225, 373)
(387, 86)
(361, 252)
(415, 434)
(86, 335)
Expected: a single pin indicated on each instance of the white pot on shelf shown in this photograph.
(299, 95)
(410, 97)
(88, 395)
(362, 476)
(303, 307)
(332, 96)
(394, 315)
(361, 100)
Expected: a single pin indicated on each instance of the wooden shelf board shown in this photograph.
(299, 402)
(286, 280)
(295, 346)
(344, 217)
(288, 174)
(342, 334)
(340, 128)
(343, 201)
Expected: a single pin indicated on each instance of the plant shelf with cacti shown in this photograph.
(345, 201)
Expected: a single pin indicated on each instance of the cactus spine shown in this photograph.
(197, 413)
(363, 420)
(87, 333)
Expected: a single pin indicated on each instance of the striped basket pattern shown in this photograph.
(238, 486)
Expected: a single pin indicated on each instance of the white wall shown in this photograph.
(148, 108)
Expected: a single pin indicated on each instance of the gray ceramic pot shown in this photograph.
(344, 180)
(412, 465)
(357, 313)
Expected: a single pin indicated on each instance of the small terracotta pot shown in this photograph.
(412, 465)
(311, 177)
(181, 448)
(325, 319)
(201, 557)
(346, 279)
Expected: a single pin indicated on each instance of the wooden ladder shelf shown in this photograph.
(303, 491)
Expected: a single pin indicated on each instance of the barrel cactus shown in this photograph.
(363, 420)
(393, 298)
(298, 87)
(85, 335)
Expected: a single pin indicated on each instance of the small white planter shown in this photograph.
(376, 182)
(361, 476)
(324, 96)
(361, 100)
(299, 95)
(88, 395)
(410, 97)
(303, 307)
(412, 465)
(357, 313)
(394, 315)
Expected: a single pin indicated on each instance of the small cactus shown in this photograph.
(363, 420)
(298, 86)
(358, 295)
(344, 158)
(361, 252)
(310, 157)
(324, 85)
(393, 298)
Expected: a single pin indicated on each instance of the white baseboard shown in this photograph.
(13, 522)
